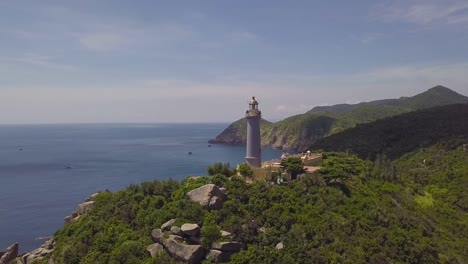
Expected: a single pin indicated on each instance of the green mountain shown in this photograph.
(397, 135)
(301, 131)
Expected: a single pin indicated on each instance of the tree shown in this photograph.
(222, 168)
(294, 166)
(245, 170)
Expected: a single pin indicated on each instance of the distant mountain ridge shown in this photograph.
(301, 131)
(436, 96)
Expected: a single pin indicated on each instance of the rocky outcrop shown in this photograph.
(218, 256)
(209, 196)
(228, 246)
(82, 209)
(167, 226)
(183, 252)
(43, 251)
(10, 254)
(190, 229)
(155, 249)
(184, 244)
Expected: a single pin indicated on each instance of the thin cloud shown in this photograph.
(422, 12)
(37, 60)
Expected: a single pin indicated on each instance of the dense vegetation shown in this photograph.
(397, 135)
(301, 131)
(412, 210)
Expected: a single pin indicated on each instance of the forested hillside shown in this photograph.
(397, 135)
(301, 131)
(410, 210)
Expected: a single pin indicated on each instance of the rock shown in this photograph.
(216, 203)
(157, 235)
(175, 230)
(155, 249)
(68, 219)
(32, 258)
(188, 253)
(203, 195)
(279, 246)
(24, 258)
(223, 190)
(10, 254)
(49, 244)
(218, 256)
(225, 233)
(179, 239)
(167, 226)
(190, 229)
(228, 246)
(85, 207)
(195, 239)
(90, 198)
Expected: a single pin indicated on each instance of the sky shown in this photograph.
(97, 61)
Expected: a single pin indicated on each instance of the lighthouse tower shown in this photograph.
(254, 152)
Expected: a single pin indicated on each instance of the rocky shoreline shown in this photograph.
(12, 255)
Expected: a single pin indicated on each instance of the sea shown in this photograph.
(47, 170)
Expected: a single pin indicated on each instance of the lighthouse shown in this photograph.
(254, 152)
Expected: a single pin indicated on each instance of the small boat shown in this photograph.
(190, 153)
(209, 146)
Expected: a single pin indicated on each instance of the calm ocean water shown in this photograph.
(37, 190)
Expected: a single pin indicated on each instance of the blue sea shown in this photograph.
(47, 170)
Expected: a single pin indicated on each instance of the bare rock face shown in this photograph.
(228, 246)
(155, 249)
(167, 226)
(157, 235)
(218, 256)
(279, 246)
(183, 252)
(225, 233)
(190, 229)
(216, 203)
(40, 253)
(175, 230)
(209, 196)
(82, 209)
(85, 207)
(10, 254)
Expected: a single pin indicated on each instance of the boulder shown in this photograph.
(10, 254)
(85, 207)
(182, 252)
(157, 235)
(204, 194)
(175, 230)
(195, 240)
(225, 233)
(216, 203)
(167, 226)
(218, 256)
(279, 246)
(228, 246)
(32, 258)
(155, 249)
(190, 229)
(223, 190)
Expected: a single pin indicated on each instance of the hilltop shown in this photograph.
(301, 131)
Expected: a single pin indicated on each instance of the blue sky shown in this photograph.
(200, 61)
